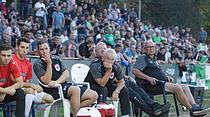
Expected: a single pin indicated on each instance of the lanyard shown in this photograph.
(155, 63)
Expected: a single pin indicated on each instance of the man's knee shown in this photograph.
(175, 88)
(73, 90)
(185, 87)
(124, 91)
(93, 94)
(48, 99)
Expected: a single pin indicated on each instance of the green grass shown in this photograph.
(160, 100)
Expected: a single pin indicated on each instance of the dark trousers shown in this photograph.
(19, 97)
(104, 92)
(139, 97)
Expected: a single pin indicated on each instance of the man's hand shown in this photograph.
(2, 96)
(152, 80)
(52, 83)
(107, 66)
(114, 96)
(38, 88)
(10, 90)
(47, 59)
(132, 79)
(170, 79)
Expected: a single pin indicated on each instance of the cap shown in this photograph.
(3, 1)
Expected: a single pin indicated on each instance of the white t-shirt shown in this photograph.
(73, 24)
(64, 38)
(39, 12)
(167, 56)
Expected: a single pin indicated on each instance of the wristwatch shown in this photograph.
(117, 91)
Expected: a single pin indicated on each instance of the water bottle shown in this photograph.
(198, 100)
(101, 98)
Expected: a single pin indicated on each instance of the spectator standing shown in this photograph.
(132, 14)
(125, 12)
(68, 20)
(25, 8)
(82, 31)
(73, 26)
(202, 35)
(58, 21)
(40, 11)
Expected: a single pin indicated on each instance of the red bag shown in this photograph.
(106, 110)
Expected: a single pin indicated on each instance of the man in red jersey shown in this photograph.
(10, 91)
(34, 92)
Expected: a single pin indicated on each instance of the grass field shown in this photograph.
(160, 99)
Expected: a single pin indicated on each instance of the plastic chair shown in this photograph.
(78, 73)
(56, 103)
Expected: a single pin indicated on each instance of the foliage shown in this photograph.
(204, 8)
(182, 13)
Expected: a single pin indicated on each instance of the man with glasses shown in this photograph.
(136, 94)
(147, 69)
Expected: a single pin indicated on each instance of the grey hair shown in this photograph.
(100, 43)
(109, 50)
(149, 41)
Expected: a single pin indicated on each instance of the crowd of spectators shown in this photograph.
(74, 27)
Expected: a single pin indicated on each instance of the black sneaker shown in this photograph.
(163, 114)
(199, 111)
(158, 109)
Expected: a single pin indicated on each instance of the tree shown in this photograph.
(204, 8)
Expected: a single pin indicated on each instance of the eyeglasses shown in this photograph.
(150, 47)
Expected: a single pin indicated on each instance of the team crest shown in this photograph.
(111, 75)
(57, 67)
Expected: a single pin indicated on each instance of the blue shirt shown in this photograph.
(58, 19)
(202, 35)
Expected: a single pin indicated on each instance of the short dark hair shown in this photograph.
(41, 42)
(89, 42)
(117, 45)
(5, 46)
(22, 40)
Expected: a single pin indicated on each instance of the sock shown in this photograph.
(28, 102)
(125, 116)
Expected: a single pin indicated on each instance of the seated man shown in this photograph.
(136, 94)
(11, 91)
(101, 75)
(147, 69)
(51, 71)
(34, 92)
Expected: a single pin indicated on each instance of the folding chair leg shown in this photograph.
(116, 108)
(176, 105)
(66, 107)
